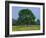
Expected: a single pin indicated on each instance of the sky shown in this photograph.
(15, 11)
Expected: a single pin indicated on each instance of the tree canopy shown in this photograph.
(26, 17)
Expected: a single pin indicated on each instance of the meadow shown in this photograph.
(25, 28)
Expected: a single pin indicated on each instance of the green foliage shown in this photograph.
(26, 16)
(38, 21)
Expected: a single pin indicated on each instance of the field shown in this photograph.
(25, 28)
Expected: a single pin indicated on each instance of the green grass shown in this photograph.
(25, 28)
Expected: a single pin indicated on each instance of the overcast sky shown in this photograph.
(15, 11)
